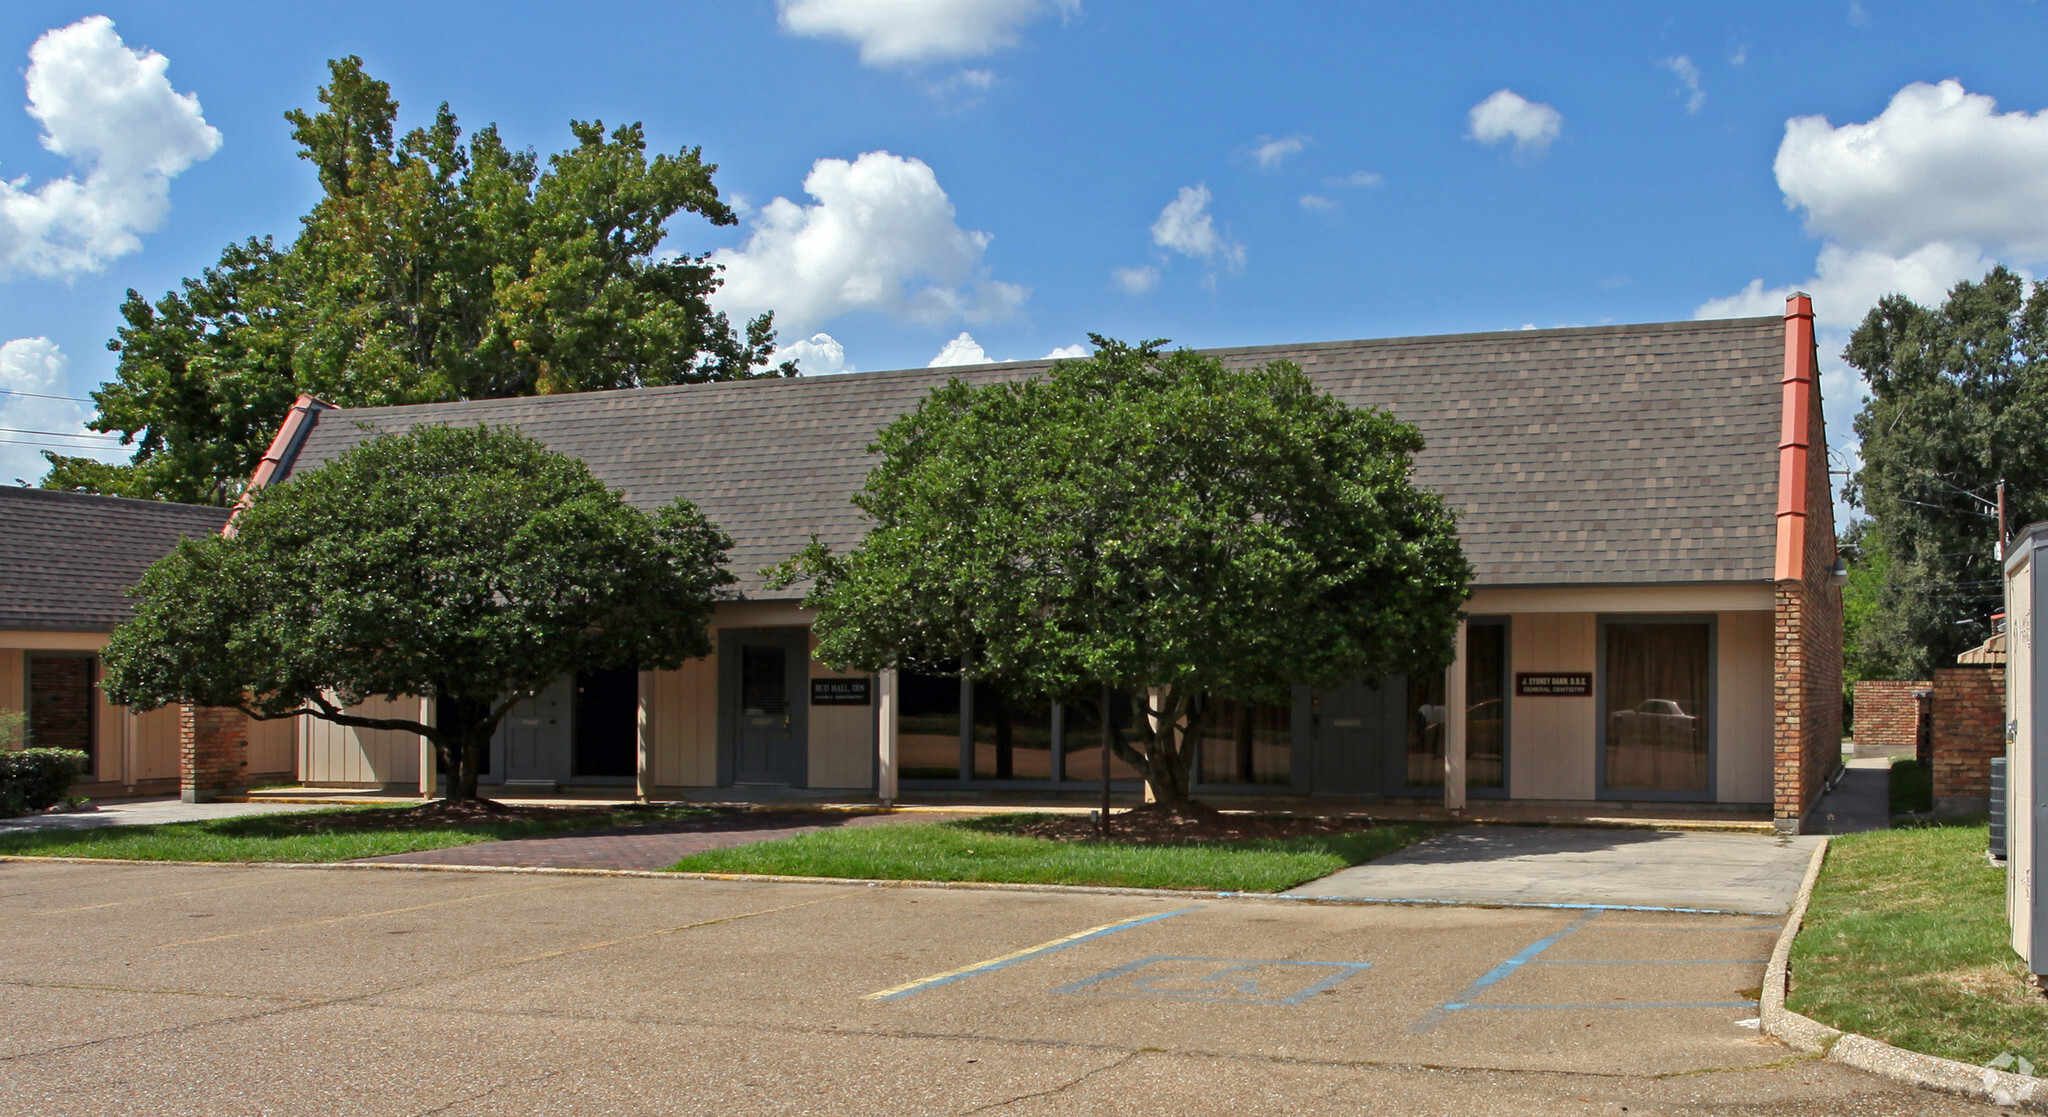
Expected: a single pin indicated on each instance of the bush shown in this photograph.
(37, 779)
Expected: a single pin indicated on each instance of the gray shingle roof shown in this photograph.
(1600, 455)
(66, 557)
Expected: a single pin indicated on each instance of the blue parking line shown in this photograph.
(913, 988)
(1415, 902)
(1494, 976)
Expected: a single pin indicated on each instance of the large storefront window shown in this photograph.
(928, 729)
(1242, 743)
(1425, 743)
(1658, 679)
(1081, 737)
(60, 701)
(1486, 706)
(1012, 737)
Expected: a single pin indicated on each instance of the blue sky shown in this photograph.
(1216, 174)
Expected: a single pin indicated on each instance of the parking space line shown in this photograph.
(1429, 1020)
(1653, 961)
(911, 988)
(1615, 1004)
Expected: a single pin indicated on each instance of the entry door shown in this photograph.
(536, 735)
(1348, 733)
(607, 724)
(764, 676)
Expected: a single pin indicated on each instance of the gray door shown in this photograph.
(764, 678)
(534, 738)
(1348, 735)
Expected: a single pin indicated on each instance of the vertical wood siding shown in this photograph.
(1743, 768)
(274, 747)
(13, 680)
(680, 710)
(155, 739)
(1552, 739)
(842, 738)
(339, 754)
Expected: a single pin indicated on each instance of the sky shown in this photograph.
(947, 181)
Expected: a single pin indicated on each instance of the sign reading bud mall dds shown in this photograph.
(1529, 683)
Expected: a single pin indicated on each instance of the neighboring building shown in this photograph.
(65, 561)
(1655, 616)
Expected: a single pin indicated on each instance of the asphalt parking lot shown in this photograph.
(158, 989)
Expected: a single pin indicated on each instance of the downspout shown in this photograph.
(291, 434)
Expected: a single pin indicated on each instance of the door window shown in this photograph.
(764, 688)
(1486, 706)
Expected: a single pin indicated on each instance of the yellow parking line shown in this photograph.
(1016, 956)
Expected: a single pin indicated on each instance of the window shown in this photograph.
(61, 702)
(928, 729)
(1486, 705)
(1081, 737)
(1658, 704)
(1242, 743)
(1425, 752)
(1012, 737)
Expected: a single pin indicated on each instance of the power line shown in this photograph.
(39, 395)
(60, 434)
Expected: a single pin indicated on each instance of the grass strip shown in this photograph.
(314, 836)
(1906, 941)
(981, 850)
(1912, 787)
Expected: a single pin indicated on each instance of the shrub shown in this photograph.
(37, 779)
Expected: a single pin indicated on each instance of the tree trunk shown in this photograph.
(1166, 761)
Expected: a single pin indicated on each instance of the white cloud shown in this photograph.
(1935, 189)
(1739, 56)
(1068, 353)
(1186, 227)
(1136, 281)
(1271, 153)
(1688, 80)
(818, 355)
(899, 32)
(32, 369)
(113, 114)
(962, 350)
(1355, 178)
(1317, 202)
(1507, 115)
(881, 237)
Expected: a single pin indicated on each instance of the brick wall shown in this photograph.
(213, 752)
(1807, 676)
(1969, 729)
(1887, 714)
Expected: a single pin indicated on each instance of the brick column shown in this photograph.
(213, 753)
(1969, 729)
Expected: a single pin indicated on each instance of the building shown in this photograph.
(1655, 617)
(65, 561)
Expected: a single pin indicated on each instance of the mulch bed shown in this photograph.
(1148, 827)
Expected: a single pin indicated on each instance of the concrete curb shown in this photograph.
(1803, 1033)
(862, 882)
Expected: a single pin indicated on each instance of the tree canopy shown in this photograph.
(1147, 520)
(1958, 402)
(430, 269)
(468, 564)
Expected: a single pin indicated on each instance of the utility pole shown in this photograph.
(1103, 825)
(2001, 519)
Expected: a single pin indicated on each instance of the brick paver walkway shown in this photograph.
(650, 847)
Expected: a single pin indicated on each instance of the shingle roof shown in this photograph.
(66, 557)
(1599, 455)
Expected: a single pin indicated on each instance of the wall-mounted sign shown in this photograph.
(1553, 683)
(839, 692)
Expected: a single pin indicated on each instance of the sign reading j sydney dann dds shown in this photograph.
(1553, 683)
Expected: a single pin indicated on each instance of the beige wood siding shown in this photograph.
(153, 737)
(1742, 743)
(339, 754)
(2021, 872)
(109, 730)
(1551, 739)
(274, 747)
(13, 680)
(842, 738)
(679, 714)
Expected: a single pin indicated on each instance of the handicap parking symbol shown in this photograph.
(1243, 981)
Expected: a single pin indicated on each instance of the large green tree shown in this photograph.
(1149, 521)
(1958, 402)
(432, 268)
(466, 564)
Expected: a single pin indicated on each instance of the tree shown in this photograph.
(429, 270)
(1958, 401)
(1150, 521)
(467, 564)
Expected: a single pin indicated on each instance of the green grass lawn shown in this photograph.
(1912, 787)
(1906, 941)
(983, 850)
(339, 835)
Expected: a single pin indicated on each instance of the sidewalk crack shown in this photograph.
(1059, 1089)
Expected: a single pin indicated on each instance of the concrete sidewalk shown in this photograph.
(1555, 865)
(143, 812)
